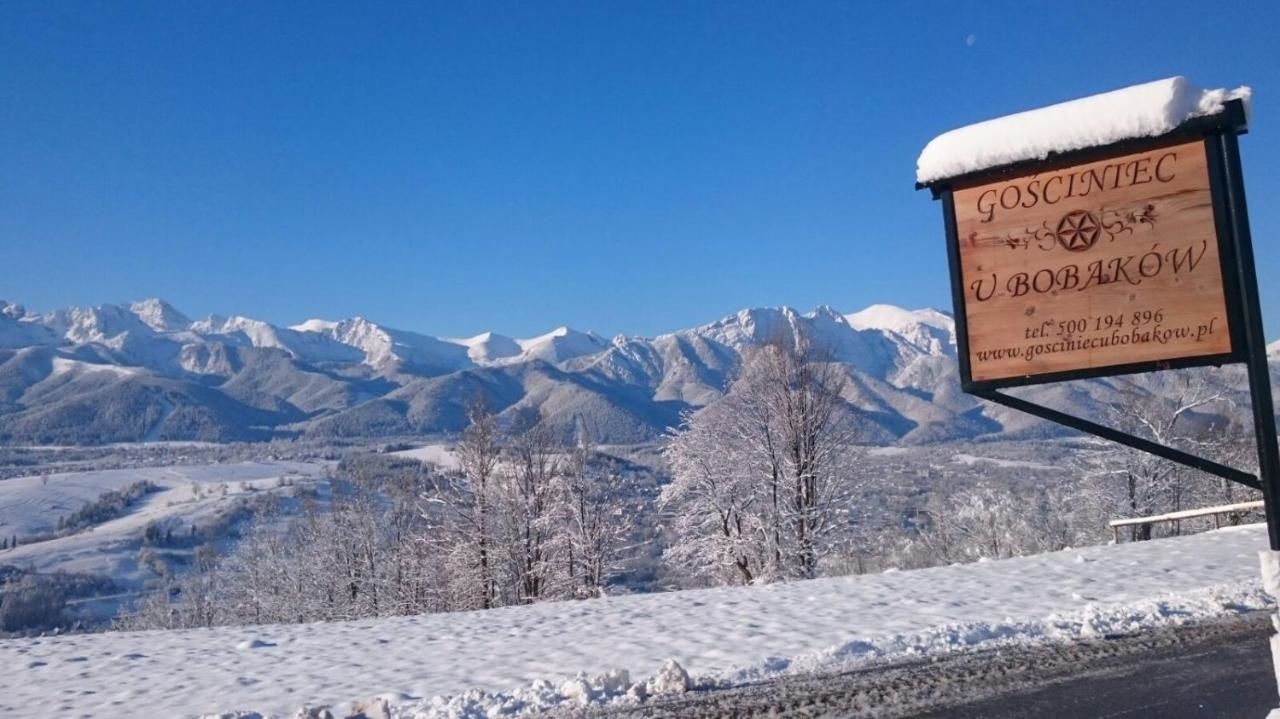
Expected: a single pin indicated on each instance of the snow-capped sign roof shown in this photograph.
(1146, 110)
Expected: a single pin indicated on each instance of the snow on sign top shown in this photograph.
(1147, 110)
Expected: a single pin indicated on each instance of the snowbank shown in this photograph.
(1144, 110)
(473, 659)
(613, 688)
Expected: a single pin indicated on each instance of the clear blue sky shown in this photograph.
(623, 167)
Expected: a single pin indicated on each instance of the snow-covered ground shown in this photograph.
(189, 494)
(723, 635)
(971, 459)
(440, 455)
(890, 450)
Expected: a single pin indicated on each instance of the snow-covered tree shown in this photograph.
(529, 502)
(469, 529)
(762, 478)
(985, 521)
(592, 520)
(1135, 484)
(720, 531)
(360, 554)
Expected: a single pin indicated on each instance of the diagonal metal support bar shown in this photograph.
(1129, 440)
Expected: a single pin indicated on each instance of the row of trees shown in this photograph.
(764, 481)
(765, 486)
(525, 518)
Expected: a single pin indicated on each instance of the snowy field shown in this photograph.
(440, 455)
(969, 460)
(720, 635)
(188, 494)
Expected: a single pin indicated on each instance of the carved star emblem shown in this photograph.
(1078, 230)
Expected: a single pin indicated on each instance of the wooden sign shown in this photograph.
(1128, 257)
(1075, 268)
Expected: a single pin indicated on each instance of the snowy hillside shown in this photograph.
(182, 499)
(147, 371)
(726, 635)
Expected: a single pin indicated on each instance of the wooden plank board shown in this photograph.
(1187, 514)
(1094, 265)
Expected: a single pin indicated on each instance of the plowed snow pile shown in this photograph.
(508, 660)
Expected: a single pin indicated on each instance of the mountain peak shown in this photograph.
(489, 347)
(827, 312)
(160, 315)
(561, 343)
(560, 332)
(897, 319)
(12, 311)
(315, 325)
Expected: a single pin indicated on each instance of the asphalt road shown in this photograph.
(1221, 670)
(1227, 677)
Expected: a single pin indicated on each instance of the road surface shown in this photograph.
(1225, 678)
(1220, 670)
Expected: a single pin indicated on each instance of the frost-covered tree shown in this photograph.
(1228, 440)
(720, 531)
(985, 521)
(469, 499)
(523, 519)
(31, 604)
(357, 554)
(799, 388)
(529, 503)
(1136, 484)
(761, 480)
(592, 519)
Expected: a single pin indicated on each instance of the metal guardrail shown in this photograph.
(1215, 512)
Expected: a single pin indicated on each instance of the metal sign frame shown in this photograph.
(1203, 129)
(1220, 134)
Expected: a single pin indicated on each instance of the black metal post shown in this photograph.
(1264, 417)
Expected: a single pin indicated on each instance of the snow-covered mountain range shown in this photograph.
(146, 371)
